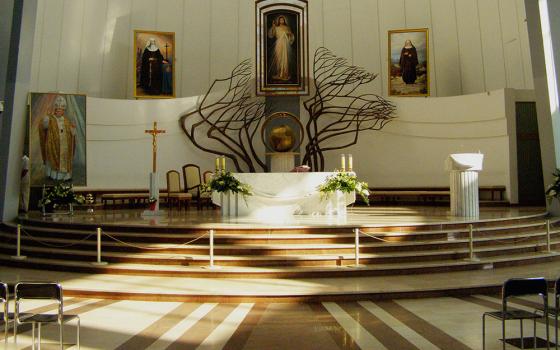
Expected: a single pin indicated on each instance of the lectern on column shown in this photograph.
(463, 178)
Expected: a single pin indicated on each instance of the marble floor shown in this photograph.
(451, 323)
(358, 216)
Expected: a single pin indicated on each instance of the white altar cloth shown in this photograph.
(282, 194)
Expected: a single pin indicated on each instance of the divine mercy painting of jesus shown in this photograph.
(281, 49)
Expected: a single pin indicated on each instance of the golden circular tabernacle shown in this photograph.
(281, 138)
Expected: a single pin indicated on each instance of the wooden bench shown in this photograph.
(131, 199)
(431, 194)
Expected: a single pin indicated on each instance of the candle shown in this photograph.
(224, 163)
(350, 162)
(217, 164)
(342, 163)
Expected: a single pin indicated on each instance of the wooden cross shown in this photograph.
(154, 132)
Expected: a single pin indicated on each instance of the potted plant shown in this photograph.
(553, 190)
(337, 186)
(225, 183)
(59, 195)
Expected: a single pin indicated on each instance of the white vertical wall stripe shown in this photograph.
(359, 334)
(487, 40)
(223, 332)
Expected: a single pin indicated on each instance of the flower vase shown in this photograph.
(336, 204)
(71, 208)
(225, 203)
(153, 206)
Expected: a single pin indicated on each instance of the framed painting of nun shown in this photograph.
(154, 64)
(409, 73)
(282, 47)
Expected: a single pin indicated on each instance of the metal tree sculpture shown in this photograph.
(229, 117)
(337, 114)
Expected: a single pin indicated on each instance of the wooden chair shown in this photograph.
(193, 182)
(175, 196)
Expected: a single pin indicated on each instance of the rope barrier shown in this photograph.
(50, 245)
(154, 248)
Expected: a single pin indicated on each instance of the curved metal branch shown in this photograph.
(334, 110)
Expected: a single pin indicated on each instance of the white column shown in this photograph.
(14, 118)
(464, 193)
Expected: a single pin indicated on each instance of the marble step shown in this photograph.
(281, 272)
(260, 238)
(373, 245)
(150, 258)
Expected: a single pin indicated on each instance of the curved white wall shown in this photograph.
(85, 46)
(408, 152)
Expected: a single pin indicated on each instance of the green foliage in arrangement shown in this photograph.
(344, 182)
(60, 193)
(553, 190)
(226, 182)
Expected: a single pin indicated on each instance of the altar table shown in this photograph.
(283, 194)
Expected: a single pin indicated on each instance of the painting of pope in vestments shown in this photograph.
(57, 138)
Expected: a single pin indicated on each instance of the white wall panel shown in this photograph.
(524, 43)
(391, 16)
(470, 47)
(91, 58)
(446, 63)
(513, 59)
(246, 30)
(51, 46)
(492, 44)
(170, 19)
(223, 38)
(69, 61)
(316, 31)
(417, 15)
(195, 57)
(365, 40)
(37, 44)
(475, 45)
(338, 28)
(117, 49)
(143, 16)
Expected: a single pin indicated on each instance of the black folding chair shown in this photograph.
(4, 298)
(42, 291)
(555, 310)
(519, 287)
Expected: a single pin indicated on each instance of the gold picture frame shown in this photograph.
(409, 68)
(154, 64)
(49, 161)
(282, 47)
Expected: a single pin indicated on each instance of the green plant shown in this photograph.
(553, 190)
(60, 193)
(224, 182)
(344, 182)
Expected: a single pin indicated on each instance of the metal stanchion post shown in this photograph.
(548, 248)
(211, 251)
(212, 248)
(18, 255)
(471, 245)
(99, 262)
(357, 246)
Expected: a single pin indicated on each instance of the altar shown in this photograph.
(283, 194)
